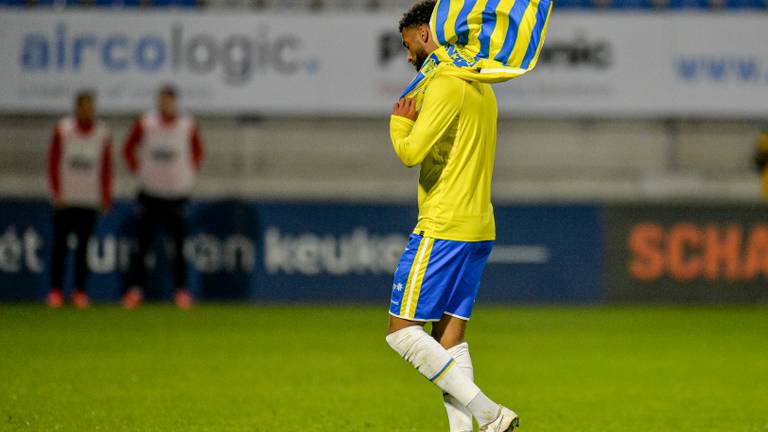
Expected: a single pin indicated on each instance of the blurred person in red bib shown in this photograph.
(80, 176)
(164, 151)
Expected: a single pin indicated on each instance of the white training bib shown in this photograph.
(166, 167)
(80, 164)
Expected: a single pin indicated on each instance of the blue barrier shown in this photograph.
(329, 253)
(545, 254)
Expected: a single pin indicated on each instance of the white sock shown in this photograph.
(459, 417)
(436, 364)
(484, 409)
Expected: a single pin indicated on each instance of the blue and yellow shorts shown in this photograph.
(438, 277)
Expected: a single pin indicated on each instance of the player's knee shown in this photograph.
(401, 338)
(437, 334)
(392, 331)
(398, 340)
(449, 341)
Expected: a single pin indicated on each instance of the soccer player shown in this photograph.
(453, 138)
(80, 176)
(164, 151)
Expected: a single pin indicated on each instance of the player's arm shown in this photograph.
(54, 167)
(197, 148)
(131, 146)
(106, 175)
(412, 138)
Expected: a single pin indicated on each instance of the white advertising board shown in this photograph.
(593, 64)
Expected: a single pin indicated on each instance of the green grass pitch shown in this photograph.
(271, 369)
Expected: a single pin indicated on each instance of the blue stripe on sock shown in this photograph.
(437, 375)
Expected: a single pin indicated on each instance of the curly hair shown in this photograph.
(418, 14)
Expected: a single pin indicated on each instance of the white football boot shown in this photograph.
(505, 422)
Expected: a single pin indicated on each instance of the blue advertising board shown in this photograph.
(547, 253)
(302, 252)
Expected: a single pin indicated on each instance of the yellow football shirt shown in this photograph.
(454, 141)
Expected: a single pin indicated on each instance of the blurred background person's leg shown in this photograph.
(59, 257)
(177, 228)
(83, 226)
(146, 229)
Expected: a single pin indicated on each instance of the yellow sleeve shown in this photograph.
(442, 103)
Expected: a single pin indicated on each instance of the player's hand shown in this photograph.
(406, 107)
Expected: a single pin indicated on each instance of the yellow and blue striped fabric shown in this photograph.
(416, 278)
(487, 40)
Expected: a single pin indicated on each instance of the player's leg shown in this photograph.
(431, 359)
(177, 227)
(58, 259)
(146, 216)
(420, 294)
(84, 226)
(436, 364)
(449, 331)
(406, 333)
